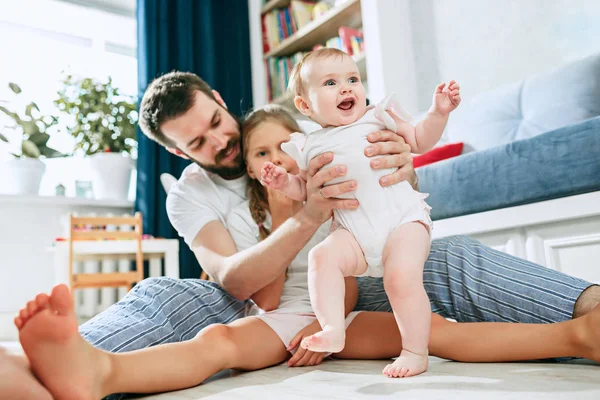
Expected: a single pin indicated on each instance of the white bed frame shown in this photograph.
(563, 234)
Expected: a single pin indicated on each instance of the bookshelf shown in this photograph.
(319, 30)
(309, 34)
(271, 4)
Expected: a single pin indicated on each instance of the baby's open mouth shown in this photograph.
(346, 104)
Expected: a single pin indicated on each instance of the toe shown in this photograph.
(32, 307)
(386, 370)
(42, 300)
(24, 314)
(403, 372)
(61, 300)
(18, 322)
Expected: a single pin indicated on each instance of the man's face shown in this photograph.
(208, 135)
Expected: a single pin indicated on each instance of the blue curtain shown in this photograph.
(211, 39)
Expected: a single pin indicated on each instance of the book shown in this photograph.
(346, 34)
(302, 12)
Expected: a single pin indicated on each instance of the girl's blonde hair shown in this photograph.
(257, 194)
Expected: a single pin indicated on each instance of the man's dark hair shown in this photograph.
(168, 97)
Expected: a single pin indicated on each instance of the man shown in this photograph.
(464, 279)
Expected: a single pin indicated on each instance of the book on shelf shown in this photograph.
(280, 23)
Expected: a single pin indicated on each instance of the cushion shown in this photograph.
(438, 154)
(559, 163)
(544, 102)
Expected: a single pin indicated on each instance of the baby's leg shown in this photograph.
(336, 257)
(404, 256)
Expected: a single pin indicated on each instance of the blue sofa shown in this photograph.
(535, 140)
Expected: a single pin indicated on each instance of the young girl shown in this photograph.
(71, 368)
(389, 234)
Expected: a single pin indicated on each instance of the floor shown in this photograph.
(445, 380)
(344, 379)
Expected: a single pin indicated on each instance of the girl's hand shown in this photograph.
(303, 357)
(446, 99)
(395, 153)
(273, 176)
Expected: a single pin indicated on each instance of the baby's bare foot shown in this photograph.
(326, 341)
(17, 381)
(68, 366)
(408, 364)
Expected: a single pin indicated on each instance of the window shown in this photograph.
(43, 40)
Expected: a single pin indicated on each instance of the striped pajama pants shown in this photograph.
(465, 280)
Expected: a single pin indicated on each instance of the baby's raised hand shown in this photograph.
(273, 176)
(446, 99)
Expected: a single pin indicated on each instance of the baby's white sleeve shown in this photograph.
(295, 149)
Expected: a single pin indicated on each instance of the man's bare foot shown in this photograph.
(17, 381)
(68, 366)
(587, 334)
(408, 364)
(326, 341)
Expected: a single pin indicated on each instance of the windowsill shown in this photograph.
(63, 201)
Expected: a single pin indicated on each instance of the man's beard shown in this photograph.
(239, 167)
(225, 172)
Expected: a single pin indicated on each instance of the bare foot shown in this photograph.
(68, 366)
(408, 364)
(17, 381)
(326, 341)
(588, 334)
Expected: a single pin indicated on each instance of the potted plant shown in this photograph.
(103, 125)
(25, 170)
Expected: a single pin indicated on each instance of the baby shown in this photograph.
(389, 234)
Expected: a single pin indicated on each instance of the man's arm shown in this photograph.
(243, 274)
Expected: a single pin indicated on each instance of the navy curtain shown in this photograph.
(211, 39)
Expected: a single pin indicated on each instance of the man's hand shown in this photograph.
(273, 176)
(303, 357)
(395, 153)
(320, 200)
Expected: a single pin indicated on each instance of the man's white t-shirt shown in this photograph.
(199, 197)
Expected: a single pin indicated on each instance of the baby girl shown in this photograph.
(389, 234)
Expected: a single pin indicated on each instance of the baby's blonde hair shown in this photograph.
(296, 83)
(257, 194)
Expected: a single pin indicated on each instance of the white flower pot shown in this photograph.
(111, 175)
(23, 176)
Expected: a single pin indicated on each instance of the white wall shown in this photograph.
(487, 43)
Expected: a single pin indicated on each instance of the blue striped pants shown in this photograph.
(464, 279)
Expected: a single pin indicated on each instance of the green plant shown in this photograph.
(103, 118)
(34, 129)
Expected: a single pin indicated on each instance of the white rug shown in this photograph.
(344, 379)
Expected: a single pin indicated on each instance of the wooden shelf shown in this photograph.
(319, 30)
(274, 4)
